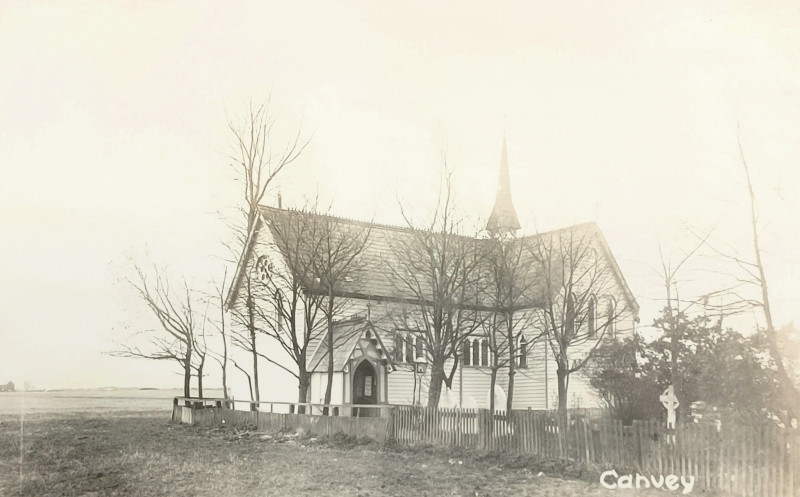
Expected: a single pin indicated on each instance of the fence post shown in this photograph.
(483, 431)
(637, 433)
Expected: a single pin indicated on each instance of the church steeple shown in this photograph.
(503, 220)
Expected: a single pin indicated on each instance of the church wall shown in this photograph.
(319, 381)
(477, 385)
(401, 385)
(530, 384)
(535, 385)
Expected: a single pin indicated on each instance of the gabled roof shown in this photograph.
(347, 335)
(372, 281)
(241, 264)
(593, 229)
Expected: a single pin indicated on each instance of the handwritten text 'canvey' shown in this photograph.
(611, 479)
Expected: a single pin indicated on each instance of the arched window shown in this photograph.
(591, 316)
(398, 347)
(409, 347)
(611, 309)
(466, 353)
(484, 352)
(523, 352)
(476, 352)
(569, 324)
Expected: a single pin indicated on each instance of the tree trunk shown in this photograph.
(437, 379)
(512, 363)
(255, 368)
(562, 375)
(510, 395)
(225, 376)
(251, 324)
(200, 381)
(492, 384)
(250, 386)
(187, 372)
(224, 357)
(302, 389)
(329, 385)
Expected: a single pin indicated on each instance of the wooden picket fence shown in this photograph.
(739, 460)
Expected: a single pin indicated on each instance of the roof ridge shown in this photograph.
(559, 230)
(341, 218)
(409, 229)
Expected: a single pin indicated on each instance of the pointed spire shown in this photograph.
(503, 220)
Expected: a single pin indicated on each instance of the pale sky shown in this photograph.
(113, 129)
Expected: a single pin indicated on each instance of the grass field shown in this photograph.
(142, 453)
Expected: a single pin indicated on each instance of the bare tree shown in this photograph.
(245, 334)
(575, 282)
(337, 263)
(294, 294)
(223, 358)
(200, 348)
(247, 375)
(673, 325)
(438, 271)
(510, 288)
(752, 275)
(258, 165)
(176, 340)
(295, 315)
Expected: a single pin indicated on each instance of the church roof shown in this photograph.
(372, 282)
(504, 217)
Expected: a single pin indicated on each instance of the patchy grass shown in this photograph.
(144, 454)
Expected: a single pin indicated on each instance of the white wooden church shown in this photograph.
(375, 361)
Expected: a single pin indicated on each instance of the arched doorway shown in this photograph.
(365, 388)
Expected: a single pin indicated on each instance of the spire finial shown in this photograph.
(503, 220)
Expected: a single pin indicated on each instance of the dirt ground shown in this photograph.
(143, 454)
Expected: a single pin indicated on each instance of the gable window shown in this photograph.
(569, 324)
(484, 352)
(591, 316)
(466, 353)
(476, 352)
(611, 309)
(263, 268)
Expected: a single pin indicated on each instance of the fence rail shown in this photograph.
(381, 410)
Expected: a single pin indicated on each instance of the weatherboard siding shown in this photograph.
(401, 386)
(530, 383)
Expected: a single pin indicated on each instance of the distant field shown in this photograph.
(128, 399)
(143, 454)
